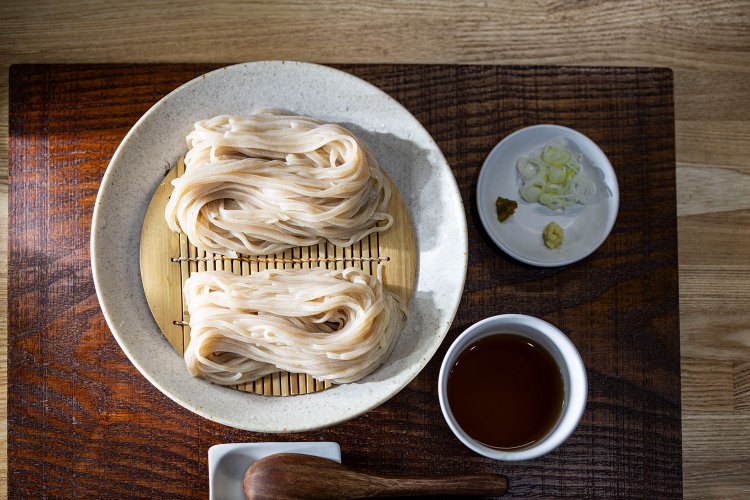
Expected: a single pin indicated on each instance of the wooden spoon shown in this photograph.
(289, 475)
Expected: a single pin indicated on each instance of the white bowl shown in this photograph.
(565, 355)
(403, 148)
(586, 226)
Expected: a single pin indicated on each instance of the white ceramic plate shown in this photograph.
(227, 463)
(585, 226)
(404, 149)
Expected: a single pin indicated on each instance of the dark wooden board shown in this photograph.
(84, 423)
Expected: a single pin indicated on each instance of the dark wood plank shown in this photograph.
(84, 423)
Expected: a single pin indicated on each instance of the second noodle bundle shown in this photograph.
(336, 325)
(269, 181)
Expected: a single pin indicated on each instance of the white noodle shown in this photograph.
(269, 181)
(336, 325)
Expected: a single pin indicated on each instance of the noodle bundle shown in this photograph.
(336, 325)
(269, 181)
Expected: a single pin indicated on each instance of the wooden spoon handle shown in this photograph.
(476, 484)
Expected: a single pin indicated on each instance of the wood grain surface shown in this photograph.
(706, 43)
(83, 421)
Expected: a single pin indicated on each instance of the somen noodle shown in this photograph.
(336, 325)
(269, 181)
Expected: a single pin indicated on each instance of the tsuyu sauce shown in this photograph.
(505, 391)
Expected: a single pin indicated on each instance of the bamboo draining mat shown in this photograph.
(168, 259)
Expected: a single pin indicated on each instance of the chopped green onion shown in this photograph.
(554, 177)
(533, 190)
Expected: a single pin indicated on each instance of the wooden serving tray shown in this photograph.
(168, 259)
(83, 422)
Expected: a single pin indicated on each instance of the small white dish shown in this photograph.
(585, 226)
(227, 463)
(566, 356)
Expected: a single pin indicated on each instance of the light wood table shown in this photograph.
(706, 43)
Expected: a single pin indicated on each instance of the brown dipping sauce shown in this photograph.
(505, 391)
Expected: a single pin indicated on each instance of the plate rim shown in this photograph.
(411, 371)
(615, 188)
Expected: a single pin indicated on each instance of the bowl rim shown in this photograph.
(571, 413)
(614, 187)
